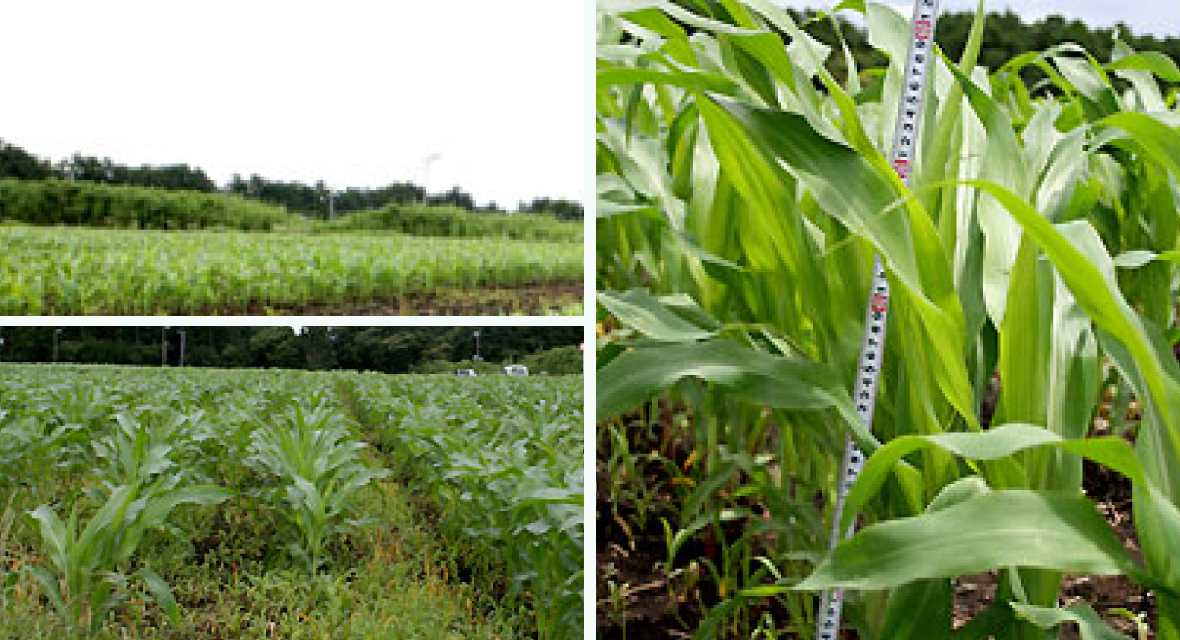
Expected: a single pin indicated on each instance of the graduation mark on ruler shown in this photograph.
(872, 353)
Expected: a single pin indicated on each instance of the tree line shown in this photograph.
(1006, 35)
(383, 349)
(314, 200)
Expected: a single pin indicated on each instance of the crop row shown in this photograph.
(93, 271)
(508, 475)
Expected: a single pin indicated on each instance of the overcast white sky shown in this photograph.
(1160, 18)
(354, 92)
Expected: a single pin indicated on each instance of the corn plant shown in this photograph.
(86, 574)
(49, 432)
(72, 270)
(742, 192)
(147, 455)
(309, 451)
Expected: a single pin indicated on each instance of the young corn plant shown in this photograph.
(742, 192)
(310, 452)
(86, 575)
(49, 431)
(150, 455)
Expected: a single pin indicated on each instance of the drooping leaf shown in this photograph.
(1011, 528)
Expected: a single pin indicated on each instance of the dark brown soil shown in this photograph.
(533, 299)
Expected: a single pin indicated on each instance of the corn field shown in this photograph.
(743, 191)
(75, 270)
(130, 499)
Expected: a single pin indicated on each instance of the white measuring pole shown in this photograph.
(872, 351)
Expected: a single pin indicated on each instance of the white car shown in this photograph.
(516, 370)
(465, 372)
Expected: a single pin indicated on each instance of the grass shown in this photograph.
(70, 270)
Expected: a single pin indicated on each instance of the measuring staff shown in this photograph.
(872, 354)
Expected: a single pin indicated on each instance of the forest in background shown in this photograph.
(1006, 36)
(310, 200)
(383, 349)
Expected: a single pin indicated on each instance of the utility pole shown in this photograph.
(476, 358)
(56, 334)
(182, 334)
(163, 346)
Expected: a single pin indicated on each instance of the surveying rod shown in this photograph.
(872, 351)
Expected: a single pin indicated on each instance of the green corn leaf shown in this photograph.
(1091, 626)
(995, 443)
(1155, 516)
(52, 589)
(54, 535)
(1153, 61)
(1158, 140)
(1012, 528)
(927, 606)
(641, 311)
(160, 592)
(158, 507)
(94, 546)
(758, 377)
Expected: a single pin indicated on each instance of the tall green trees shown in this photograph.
(387, 349)
(308, 199)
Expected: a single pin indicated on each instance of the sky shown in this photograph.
(1160, 18)
(487, 96)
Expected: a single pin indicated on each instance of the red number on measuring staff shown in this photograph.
(902, 166)
(880, 303)
(923, 29)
